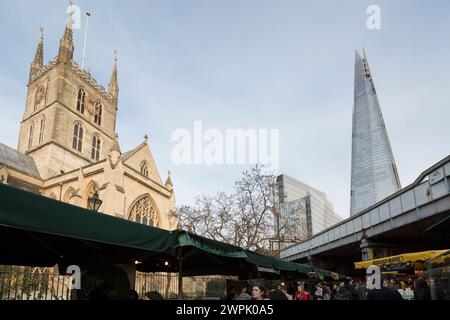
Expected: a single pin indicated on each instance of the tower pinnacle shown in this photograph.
(113, 87)
(169, 184)
(66, 43)
(38, 61)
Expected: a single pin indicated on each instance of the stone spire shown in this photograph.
(38, 61)
(66, 48)
(115, 146)
(169, 184)
(113, 87)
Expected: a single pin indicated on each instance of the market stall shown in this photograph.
(432, 265)
(42, 232)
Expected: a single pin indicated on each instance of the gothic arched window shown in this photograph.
(95, 151)
(77, 141)
(69, 196)
(30, 137)
(144, 168)
(143, 212)
(36, 93)
(80, 100)
(98, 113)
(41, 130)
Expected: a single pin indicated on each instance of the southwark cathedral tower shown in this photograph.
(68, 148)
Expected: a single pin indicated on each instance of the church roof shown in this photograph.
(126, 155)
(18, 160)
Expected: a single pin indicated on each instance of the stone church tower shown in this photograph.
(65, 111)
(68, 148)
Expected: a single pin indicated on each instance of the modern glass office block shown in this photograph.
(303, 210)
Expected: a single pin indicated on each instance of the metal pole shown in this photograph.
(180, 274)
(88, 14)
(277, 205)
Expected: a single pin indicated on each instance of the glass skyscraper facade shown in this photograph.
(302, 210)
(374, 174)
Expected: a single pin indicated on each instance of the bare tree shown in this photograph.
(244, 218)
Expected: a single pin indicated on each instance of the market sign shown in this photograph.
(269, 270)
(414, 257)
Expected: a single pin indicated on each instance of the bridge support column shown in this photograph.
(370, 250)
(310, 260)
(366, 250)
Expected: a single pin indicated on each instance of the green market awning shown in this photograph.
(243, 262)
(273, 263)
(35, 230)
(211, 246)
(38, 231)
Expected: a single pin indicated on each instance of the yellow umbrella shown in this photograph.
(401, 258)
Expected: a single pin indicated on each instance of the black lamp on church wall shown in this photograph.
(94, 202)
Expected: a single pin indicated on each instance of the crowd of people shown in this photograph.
(104, 293)
(346, 290)
(418, 289)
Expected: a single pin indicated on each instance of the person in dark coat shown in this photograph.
(422, 291)
(101, 293)
(385, 293)
(351, 290)
(362, 292)
(133, 295)
(153, 295)
(277, 295)
(342, 293)
(243, 295)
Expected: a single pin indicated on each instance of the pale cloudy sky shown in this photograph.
(259, 64)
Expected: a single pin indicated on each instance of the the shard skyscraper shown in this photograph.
(374, 174)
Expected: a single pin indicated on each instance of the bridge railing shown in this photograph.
(431, 185)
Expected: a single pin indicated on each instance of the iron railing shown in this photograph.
(200, 287)
(26, 283)
(21, 283)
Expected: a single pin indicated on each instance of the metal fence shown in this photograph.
(200, 287)
(25, 283)
(21, 283)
